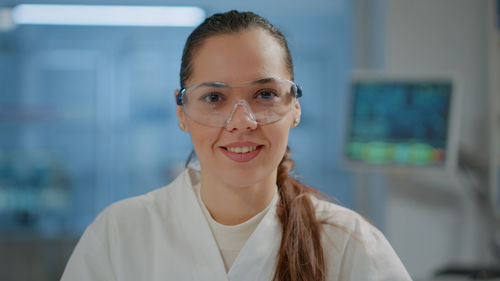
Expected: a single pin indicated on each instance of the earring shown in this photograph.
(296, 122)
(181, 125)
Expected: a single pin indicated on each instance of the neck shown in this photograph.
(231, 205)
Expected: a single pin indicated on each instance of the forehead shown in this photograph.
(245, 56)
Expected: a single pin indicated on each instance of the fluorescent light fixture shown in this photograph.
(107, 15)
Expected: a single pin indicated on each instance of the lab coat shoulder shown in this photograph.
(354, 248)
(131, 218)
(113, 245)
(90, 259)
(139, 213)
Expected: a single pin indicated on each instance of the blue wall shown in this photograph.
(87, 113)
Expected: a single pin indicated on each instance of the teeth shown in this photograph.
(244, 149)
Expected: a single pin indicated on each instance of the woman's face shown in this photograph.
(234, 58)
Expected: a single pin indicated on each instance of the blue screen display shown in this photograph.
(399, 122)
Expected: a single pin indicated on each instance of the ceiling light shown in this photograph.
(107, 15)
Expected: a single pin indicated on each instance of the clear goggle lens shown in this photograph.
(213, 103)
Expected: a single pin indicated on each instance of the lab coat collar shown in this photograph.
(207, 262)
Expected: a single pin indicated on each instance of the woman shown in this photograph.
(242, 217)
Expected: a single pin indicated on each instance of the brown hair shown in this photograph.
(300, 256)
(227, 23)
(301, 253)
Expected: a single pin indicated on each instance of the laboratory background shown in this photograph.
(400, 120)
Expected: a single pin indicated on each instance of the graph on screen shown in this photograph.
(399, 122)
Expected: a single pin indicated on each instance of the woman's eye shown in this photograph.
(267, 95)
(212, 98)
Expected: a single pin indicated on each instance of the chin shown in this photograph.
(244, 177)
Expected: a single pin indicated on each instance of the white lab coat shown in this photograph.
(163, 235)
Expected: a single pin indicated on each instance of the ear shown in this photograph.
(181, 117)
(296, 112)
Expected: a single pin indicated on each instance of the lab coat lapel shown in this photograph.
(257, 259)
(207, 263)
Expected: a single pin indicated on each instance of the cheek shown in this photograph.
(202, 137)
(279, 135)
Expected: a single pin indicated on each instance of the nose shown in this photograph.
(241, 118)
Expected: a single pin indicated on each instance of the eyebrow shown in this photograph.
(263, 81)
(216, 84)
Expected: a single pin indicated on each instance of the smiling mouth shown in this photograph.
(242, 153)
(241, 149)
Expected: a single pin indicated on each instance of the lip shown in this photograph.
(241, 157)
(241, 144)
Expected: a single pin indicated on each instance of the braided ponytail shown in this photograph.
(300, 257)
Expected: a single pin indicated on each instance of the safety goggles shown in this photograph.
(214, 103)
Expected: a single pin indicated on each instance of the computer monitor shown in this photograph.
(401, 121)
